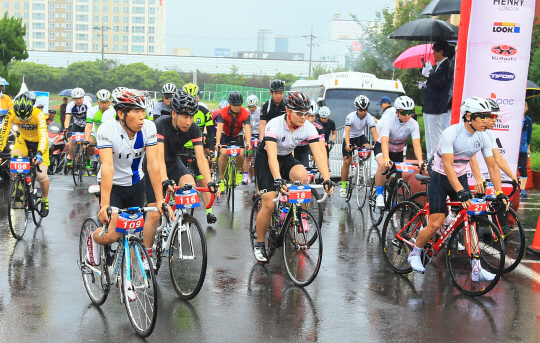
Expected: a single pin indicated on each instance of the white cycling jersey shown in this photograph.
(98, 117)
(388, 113)
(357, 125)
(255, 120)
(464, 145)
(278, 131)
(493, 139)
(128, 154)
(78, 113)
(398, 132)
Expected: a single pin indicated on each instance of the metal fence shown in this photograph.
(218, 92)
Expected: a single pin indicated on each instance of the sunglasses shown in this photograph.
(493, 116)
(483, 116)
(167, 96)
(302, 114)
(406, 112)
(361, 110)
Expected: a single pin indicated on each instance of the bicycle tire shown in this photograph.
(142, 311)
(491, 258)
(53, 165)
(375, 213)
(514, 242)
(35, 198)
(395, 251)
(97, 285)
(75, 166)
(188, 274)
(351, 184)
(314, 207)
(302, 247)
(17, 215)
(255, 209)
(402, 193)
(419, 198)
(82, 165)
(362, 186)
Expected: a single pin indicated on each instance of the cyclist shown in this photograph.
(458, 144)
(329, 127)
(173, 132)
(33, 135)
(255, 114)
(273, 107)
(302, 151)
(394, 133)
(354, 135)
(77, 109)
(123, 143)
(193, 89)
(96, 116)
(389, 111)
(275, 163)
(230, 120)
(163, 107)
(6, 103)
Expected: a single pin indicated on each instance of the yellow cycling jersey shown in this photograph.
(32, 130)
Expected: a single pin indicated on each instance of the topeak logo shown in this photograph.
(502, 27)
(504, 50)
(502, 76)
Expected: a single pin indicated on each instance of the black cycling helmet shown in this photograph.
(277, 86)
(297, 101)
(22, 106)
(235, 98)
(184, 103)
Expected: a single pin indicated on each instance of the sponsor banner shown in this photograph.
(42, 98)
(497, 61)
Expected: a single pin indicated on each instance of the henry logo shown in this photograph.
(502, 27)
(407, 130)
(502, 76)
(508, 5)
(504, 50)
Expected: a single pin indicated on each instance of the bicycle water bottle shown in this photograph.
(283, 215)
(447, 221)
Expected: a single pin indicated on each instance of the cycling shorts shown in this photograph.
(174, 172)
(21, 144)
(75, 128)
(394, 156)
(440, 188)
(358, 141)
(265, 180)
(128, 196)
(225, 140)
(302, 155)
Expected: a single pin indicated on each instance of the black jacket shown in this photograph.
(438, 83)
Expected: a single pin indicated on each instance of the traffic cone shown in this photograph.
(535, 247)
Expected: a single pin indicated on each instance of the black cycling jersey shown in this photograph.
(174, 140)
(269, 110)
(328, 127)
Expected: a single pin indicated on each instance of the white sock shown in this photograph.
(416, 250)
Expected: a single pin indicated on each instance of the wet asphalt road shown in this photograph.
(355, 297)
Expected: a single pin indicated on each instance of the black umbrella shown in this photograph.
(441, 7)
(65, 92)
(427, 30)
(532, 90)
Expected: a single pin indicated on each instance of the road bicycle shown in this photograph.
(296, 229)
(359, 175)
(395, 190)
(189, 160)
(182, 240)
(230, 173)
(79, 160)
(24, 194)
(406, 220)
(122, 263)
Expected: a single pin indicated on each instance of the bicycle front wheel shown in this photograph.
(75, 167)
(302, 247)
(187, 258)
(139, 289)
(18, 208)
(255, 209)
(36, 202)
(479, 273)
(314, 207)
(351, 183)
(514, 239)
(375, 213)
(362, 185)
(95, 278)
(401, 193)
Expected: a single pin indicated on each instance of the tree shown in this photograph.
(13, 79)
(289, 79)
(12, 42)
(86, 75)
(172, 77)
(134, 75)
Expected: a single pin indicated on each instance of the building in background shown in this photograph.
(127, 26)
(181, 51)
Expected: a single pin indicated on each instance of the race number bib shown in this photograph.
(77, 136)
(233, 151)
(490, 191)
(364, 153)
(310, 176)
(404, 167)
(20, 165)
(299, 194)
(130, 223)
(186, 198)
(477, 207)
(254, 142)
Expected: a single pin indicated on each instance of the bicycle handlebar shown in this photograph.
(198, 189)
(115, 210)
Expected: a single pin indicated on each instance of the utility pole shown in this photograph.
(310, 37)
(102, 28)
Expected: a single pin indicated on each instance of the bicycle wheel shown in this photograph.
(255, 209)
(362, 185)
(82, 165)
(514, 239)
(17, 209)
(96, 279)
(302, 247)
(419, 198)
(75, 167)
(139, 289)
(230, 183)
(351, 183)
(314, 207)
(396, 251)
(375, 213)
(36, 202)
(402, 193)
(188, 258)
(488, 254)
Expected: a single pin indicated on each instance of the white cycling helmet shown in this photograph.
(168, 88)
(404, 103)
(151, 104)
(324, 112)
(103, 95)
(314, 109)
(77, 93)
(88, 99)
(362, 102)
(117, 89)
(252, 100)
(474, 105)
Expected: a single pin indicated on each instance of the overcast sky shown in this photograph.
(234, 24)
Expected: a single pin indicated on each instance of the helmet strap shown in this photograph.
(290, 123)
(124, 121)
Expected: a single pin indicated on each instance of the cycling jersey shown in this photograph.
(127, 153)
(232, 125)
(388, 113)
(320, 131)
(78, 113)
(493, 139)
(277, 130)
(160, 109)
(398, 132)
(96, 116)
(6, 104)
(174, 140)
(269, 110)
(255, 120)
(357, 125)
(329, 127)
(464, 145)
(34, 130)
(202, 118)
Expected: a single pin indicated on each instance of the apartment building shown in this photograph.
(117, 26)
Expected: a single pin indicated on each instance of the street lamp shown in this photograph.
(102, 28)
